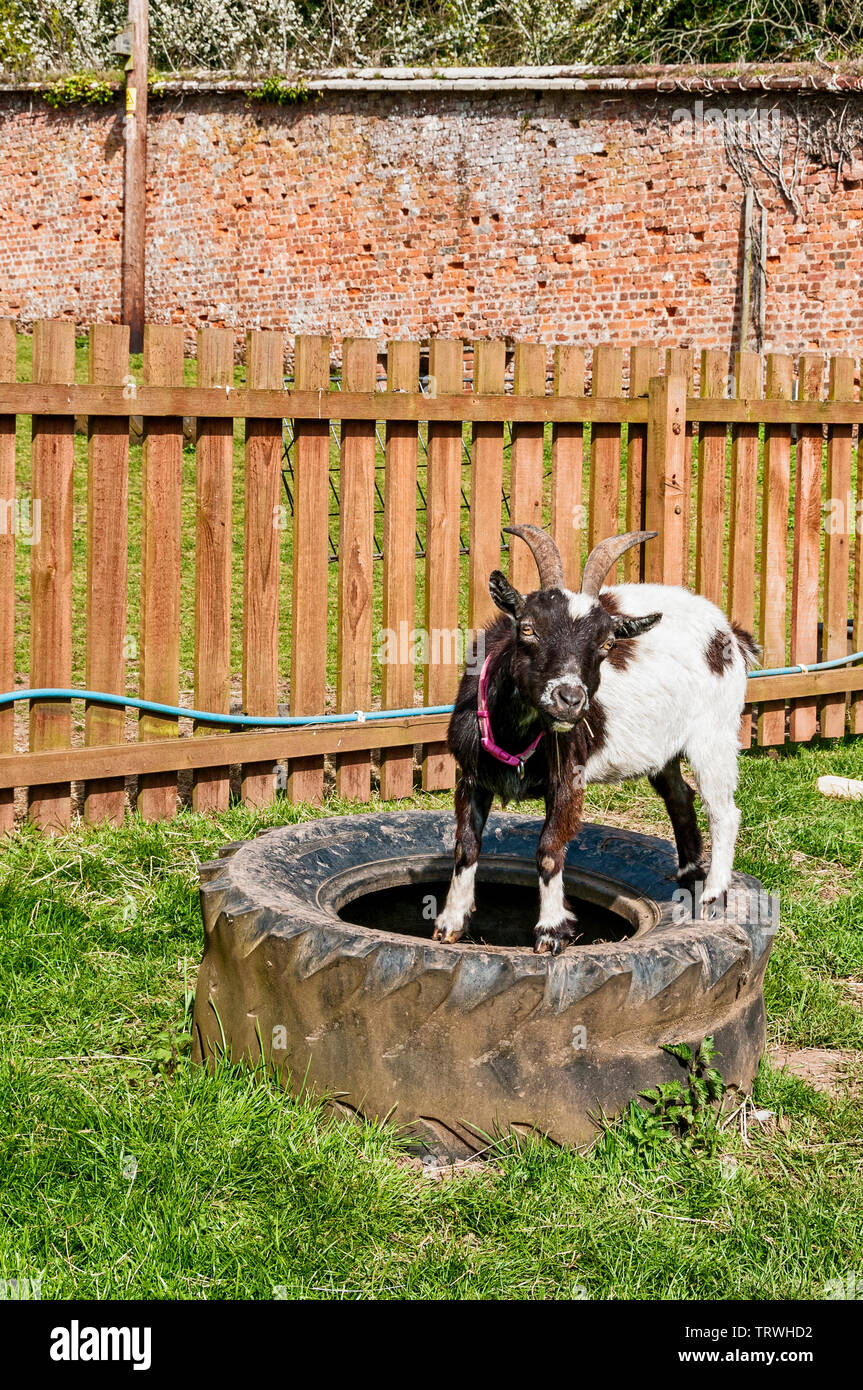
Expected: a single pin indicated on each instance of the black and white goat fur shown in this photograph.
(622, 682)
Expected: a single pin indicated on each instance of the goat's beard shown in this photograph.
(557, 725)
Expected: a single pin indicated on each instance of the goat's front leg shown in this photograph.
(564, 818)
(472, 805)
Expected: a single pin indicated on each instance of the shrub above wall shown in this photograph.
(271, 35)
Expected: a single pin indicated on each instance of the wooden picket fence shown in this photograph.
(736, 485)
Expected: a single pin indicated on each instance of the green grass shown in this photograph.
(241, 1191)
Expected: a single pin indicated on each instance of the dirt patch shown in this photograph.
(853, 991)
(436, 1171)
(826, 1069)
(831, 880)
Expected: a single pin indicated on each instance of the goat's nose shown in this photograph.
(571, 698)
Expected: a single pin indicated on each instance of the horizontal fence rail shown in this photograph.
(205, 533)
(241, 404)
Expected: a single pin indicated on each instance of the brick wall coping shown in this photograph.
(708, 79)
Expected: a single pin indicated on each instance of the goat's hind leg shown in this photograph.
(472, 805)
(715, 771)
(679, 801)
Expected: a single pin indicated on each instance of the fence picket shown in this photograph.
(607, 379)
(107, 565)
(856, 703)
(356, 552)
(567, 466)
(743, 504)
(399, 605)
(526, 475)
(8, 355)
(836, 543)
(679, 362)
(774, 544)
(666, 442)
(160, 564)
(643, 364)
(50, 806)
(310, 590)
(265, 353)
(214, 506)
(486, 483)
(443, 517)
(807, 547)
(710, 522)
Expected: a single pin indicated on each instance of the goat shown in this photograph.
(596, 686)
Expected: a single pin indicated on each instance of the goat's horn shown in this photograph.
(546, 554)
(607, 553)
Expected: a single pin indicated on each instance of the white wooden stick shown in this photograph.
(846, 787)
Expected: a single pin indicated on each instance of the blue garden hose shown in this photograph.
(236, 721)
(245, 721)
(795, 670)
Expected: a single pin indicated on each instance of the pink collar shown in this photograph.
(487, 738)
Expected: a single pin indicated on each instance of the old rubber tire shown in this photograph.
(459, 1042)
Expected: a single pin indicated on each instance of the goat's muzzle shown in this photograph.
(565, 704)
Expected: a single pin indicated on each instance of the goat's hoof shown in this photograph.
(449, 932)
(550, 941)
(712, 905)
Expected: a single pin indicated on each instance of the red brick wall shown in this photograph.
(554, 216)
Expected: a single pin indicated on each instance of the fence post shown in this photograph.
(261, 540)
(107, 566)
(356, 560)
(310, 589)
(51, 569)
(443, 518)
(135, 175)
(666, 444)
(214, 508)
(7, 566)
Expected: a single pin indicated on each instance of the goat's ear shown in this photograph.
(633, 627)
(504, 595)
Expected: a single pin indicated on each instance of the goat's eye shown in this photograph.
(608, 644)
(527, 630)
